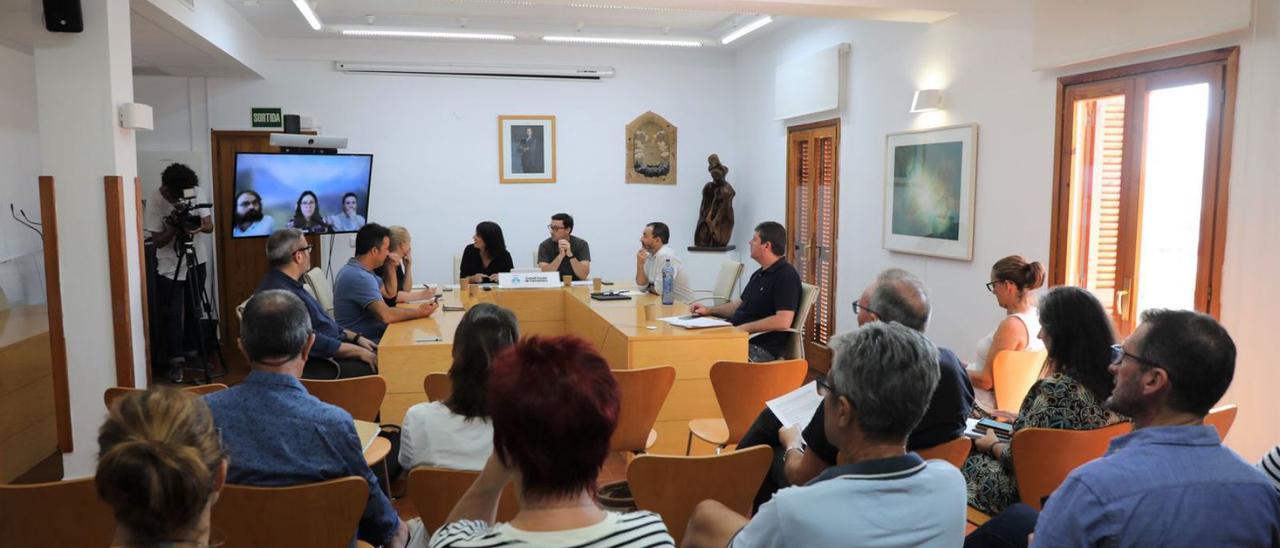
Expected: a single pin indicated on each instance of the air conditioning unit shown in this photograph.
(541, 72)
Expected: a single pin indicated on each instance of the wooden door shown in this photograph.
(812, 204)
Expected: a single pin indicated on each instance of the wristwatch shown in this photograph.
(787, 453)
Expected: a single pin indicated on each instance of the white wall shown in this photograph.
(21, 269)
(982, 59)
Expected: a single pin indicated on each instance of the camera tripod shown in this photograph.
(196, 305)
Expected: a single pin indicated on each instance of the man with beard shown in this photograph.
(248, 219)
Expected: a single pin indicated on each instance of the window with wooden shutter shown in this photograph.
(812, 205)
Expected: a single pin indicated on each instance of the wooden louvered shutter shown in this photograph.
(812, 207)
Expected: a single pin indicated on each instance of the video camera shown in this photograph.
(184, 215)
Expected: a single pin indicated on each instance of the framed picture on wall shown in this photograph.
(930, 181)
(527, 149)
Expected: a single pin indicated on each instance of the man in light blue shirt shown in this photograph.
(1171, 482)
(880, 384)
(357, 297)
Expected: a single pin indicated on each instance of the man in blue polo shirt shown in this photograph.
(879, 494)
(357, 293)
(770, 300)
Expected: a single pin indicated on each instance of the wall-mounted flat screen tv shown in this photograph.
(315, 193)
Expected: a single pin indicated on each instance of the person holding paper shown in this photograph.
(653, 256)
(770, 300)
(879, 494)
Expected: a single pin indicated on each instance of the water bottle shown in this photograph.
(668, 278)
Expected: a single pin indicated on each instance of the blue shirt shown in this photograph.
(1163, 486)
(329, 334)
(276, 434)
(355, 288)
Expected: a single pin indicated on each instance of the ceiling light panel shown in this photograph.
(602, 40)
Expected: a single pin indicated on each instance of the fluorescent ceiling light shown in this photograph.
(427, 34)
(623, 41)
(309, 14)
(746, 29)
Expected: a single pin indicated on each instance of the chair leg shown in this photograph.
(688, 448)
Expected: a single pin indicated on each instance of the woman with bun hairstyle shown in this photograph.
(1012, 281)
(160, 468)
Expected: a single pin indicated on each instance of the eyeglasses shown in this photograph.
(1118, 354)
(554, 227)
(307, 249)
(991, 286)
(823, 386)
(859, 308)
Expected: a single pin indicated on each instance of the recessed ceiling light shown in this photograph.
(427, 34)
(745, 29)
(623, 41)
(309, 14)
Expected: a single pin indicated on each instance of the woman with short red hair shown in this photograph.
(554, 404)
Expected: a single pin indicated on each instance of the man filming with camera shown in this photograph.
(173, 220)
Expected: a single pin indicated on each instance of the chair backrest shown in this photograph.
(321, 287)
(727, 279)
(240, 307)
(1043, 457)
(438, 386)
(434, 492)
(643, 392)
(673, 485)
(1012, 374)
(360, 396)
(59, 513)
(316, 514)
(1222, 417)
(954, 451)
(742, 388)
(457, 269)
(795, 346)
(116, 392)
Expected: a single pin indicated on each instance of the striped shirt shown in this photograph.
(1270, 465)
(616, 530)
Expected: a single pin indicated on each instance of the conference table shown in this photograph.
(618, 329)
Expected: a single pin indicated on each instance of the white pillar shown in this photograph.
(81, 80)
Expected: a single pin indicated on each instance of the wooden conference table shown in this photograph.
(617, 328)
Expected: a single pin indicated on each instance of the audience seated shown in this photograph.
(279, 435)
(1012, 281)
(559, 407)
(289, 255)
(1077, 332)
(160, 467)
(456, 433)
(653, 256)
(769, 301)
(397, 271)
(486, 256)
(881, 379)
(894, 296)
(563, 252)
(358, 302)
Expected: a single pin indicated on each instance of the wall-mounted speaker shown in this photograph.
(63, 16)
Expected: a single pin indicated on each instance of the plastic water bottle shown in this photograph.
(668, 279)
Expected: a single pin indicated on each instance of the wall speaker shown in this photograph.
(63, 16)
(292, 123)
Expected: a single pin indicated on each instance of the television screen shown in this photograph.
(315, 193)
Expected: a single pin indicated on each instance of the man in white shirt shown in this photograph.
(181, 337)
(653, 256)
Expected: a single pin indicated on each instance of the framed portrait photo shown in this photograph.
(929, 188)
(527, 149)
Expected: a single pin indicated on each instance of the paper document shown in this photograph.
(797, 406)
(582, 283)
(423, 336)
(694, 322)
(367, 432)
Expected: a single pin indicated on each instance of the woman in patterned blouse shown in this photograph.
(1078, 335)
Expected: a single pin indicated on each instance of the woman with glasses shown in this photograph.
(1012, 281)
(1078, 335)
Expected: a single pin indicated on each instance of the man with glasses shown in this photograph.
(880, 384)
(563, 252)
(289, 255)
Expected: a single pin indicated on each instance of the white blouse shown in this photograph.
(432, 435)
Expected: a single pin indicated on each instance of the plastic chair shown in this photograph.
(672, 486)
(321, 287)
(1043, 457)
(954, 451)
(1222, 417)
(359, 396)
(457, 269)
(1013, 373)
(59, 513)
(438, 386)
(643, 392)
(317, 514)
(795, 345)
(116, 392)
(435, 491)
(726, 280)
(741, 390)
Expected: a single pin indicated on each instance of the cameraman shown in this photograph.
(169, 227)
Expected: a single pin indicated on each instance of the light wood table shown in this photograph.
(617, 328)
(28, 427)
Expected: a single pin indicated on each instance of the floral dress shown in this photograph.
(1057, 401)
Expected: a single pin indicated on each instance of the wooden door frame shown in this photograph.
(819, 356)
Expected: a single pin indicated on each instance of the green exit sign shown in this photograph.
(267, 117)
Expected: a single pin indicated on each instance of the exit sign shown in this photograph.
(267, 117)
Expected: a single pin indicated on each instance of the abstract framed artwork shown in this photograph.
(930, 184)
(527, 149)
(651, 150)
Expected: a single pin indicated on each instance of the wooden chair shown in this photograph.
(438, 386)
(317, 514)
(1222, 417)
(59, 513)
(1043, 457)
(434, 492)
(1012, 373)
(741, 390)
(643, 392)
(726, 279)
(954, 451)
(795, 345)
(673, 485)
(360, 396)
(116, 392)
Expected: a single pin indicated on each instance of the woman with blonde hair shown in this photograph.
(160, 468)
(1012, 281)
(397, 272)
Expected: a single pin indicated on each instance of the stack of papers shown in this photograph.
(694, 322)
(797, 406)
(367, 432)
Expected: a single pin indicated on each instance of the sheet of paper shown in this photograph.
(694, 322)
(423, 336)
(367, 432)
(797, 406)
(582, 283)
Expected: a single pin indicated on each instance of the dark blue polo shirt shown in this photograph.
(328, 332)
(768, 291)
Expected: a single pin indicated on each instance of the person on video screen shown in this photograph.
(248, 219)
(306, 214)
(350, 219)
